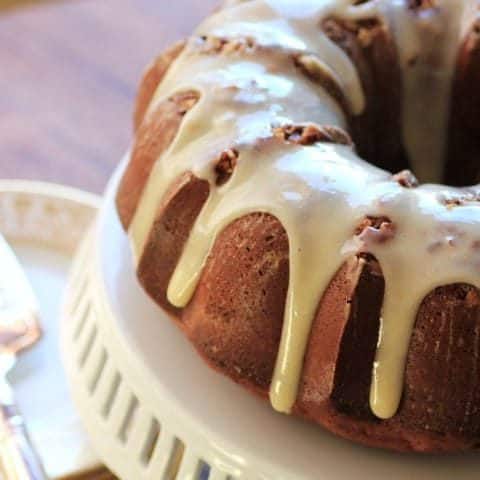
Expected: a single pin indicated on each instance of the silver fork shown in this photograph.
(19, 329)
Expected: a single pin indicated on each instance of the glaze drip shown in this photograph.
(245, 96)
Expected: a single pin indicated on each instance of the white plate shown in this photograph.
(44, 222)
(147, 372)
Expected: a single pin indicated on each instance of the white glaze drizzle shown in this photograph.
(244, 95)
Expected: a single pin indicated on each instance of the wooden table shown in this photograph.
(68, 74)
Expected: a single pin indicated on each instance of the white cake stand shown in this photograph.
(153, 409)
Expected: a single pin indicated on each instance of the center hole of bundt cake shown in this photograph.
(421, 108)
(453, 159)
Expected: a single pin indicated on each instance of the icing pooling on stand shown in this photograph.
(243, 96)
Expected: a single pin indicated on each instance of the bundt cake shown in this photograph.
(345, 294)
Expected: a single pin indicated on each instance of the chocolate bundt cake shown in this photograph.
(346, 294)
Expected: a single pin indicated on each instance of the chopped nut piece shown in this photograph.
(375, 229)
(311, 134)
(225, 166)
(406, 179)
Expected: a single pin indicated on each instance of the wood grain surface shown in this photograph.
(68, 74)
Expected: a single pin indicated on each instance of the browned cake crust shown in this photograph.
(152, 77)
(463, 166)
(235, 316)
(170, 231)
(154, 132)
(377, 133)
(235, 320)
(154, 136)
